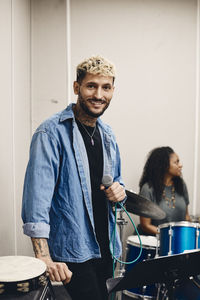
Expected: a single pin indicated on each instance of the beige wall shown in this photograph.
(154, 45)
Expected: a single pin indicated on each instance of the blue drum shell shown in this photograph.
(184, 236)
(149, 244)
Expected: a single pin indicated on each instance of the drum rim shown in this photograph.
(178, 224)
(36, 261)
(151, 247)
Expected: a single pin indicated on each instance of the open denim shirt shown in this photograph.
(57, 202)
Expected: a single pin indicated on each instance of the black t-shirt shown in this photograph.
(99, 202)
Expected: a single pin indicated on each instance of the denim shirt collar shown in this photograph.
(67, 113)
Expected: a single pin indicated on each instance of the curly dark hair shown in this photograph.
(154, 171)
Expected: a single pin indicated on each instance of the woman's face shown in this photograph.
(175, 167)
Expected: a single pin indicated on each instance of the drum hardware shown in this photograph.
(23, 287)
(24, 284)
(2, 289)
(43, 280)
(121, 222)
(195, 282)
(48, 293)
(166, 270)
(148, 256)
(157, 243)
(197, 237)
(188, 289)
(170, 232)
(195, 218)
(161, 291)
(136, 296)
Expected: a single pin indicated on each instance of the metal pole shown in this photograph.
(121, 222)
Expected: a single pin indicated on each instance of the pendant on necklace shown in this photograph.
(92, 141)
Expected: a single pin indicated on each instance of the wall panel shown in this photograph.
(15, 120)
(49, 52)
(22, 111)
(6, 129)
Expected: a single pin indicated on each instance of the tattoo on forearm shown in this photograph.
(40, 247)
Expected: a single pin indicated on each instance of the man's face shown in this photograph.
(94, 93)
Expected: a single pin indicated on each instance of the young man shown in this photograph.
(66, 210)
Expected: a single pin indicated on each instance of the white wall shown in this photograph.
(6, 182)
(154, 45)
(49, 57)
(14, 119)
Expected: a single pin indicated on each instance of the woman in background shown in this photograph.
(161, 183)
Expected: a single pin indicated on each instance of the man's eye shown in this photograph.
(107, 87)
(91, 86)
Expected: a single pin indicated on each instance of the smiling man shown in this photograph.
(66, 210)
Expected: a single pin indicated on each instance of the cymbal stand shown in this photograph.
(121, 222)
(170, 286)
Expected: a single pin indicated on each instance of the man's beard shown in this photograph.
(87, 110)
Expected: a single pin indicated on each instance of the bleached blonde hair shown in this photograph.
(95, 65)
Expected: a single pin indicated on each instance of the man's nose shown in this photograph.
(98, 93)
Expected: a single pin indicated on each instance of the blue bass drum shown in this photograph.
(177, 237)
(149, 249)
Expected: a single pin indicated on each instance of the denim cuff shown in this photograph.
(37, 230)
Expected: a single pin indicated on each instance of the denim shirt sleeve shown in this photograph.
(117, 176)
(117, 166)
(40, 180)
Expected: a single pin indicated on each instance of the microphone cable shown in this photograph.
(113, 241)
(107, 181)
(113, 237)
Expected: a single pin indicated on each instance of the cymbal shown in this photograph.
(143, 207)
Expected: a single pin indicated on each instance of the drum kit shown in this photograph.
(169, 265)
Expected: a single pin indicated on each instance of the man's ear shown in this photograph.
(76, 87)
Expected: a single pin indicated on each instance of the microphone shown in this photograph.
(107, 181)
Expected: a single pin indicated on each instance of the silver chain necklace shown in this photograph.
(90, 135)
